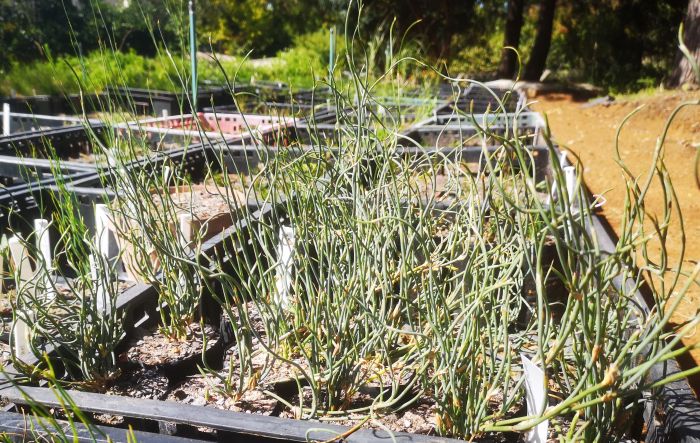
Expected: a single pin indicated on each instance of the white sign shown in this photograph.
(536, 398)
(285, 261)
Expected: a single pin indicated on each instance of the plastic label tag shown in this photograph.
(536, 397)
(285, 260)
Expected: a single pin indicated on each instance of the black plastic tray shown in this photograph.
(479, 100)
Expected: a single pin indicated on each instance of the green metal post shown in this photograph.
(193, 55)
(331, 54)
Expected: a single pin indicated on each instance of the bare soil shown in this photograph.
(203, 202)
(200, 390)
(6, 299)
(590, 133)
(158, 349)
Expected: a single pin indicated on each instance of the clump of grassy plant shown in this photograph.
(69, 303)
(148, 222)
(387, 286)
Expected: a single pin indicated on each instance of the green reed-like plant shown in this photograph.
(69, 303)
(147, 220)
(391, 287)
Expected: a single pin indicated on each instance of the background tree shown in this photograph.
(683, 72)
(617, 44)
(623, 44)
(29, 27)
(513, 26)
(433, 23)
(265, 26)
(540, 50)
(146, 24)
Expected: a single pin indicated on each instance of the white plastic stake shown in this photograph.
(166, 175)
(563, 161)
(536, 398)
(3, 247)
(43, 244)
(18, 252)
(285, 261)
(100, 293)
(570, 178)
(185, 221)
(21, 332)
(5, 119)
(22, 335)
(106, 244)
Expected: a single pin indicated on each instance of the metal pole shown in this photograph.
(331, 53)
(193, 55)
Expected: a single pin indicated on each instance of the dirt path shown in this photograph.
(589, 131)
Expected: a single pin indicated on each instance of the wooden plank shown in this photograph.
(229, 421)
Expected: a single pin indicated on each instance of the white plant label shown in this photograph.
(285, 261)
(186, 229)
(106, 244)
(3, 248)
(20, 259)
(563, 162)
(21, 332)
(21, 336)
(536, 397)
(5, 119)
(43, 244)
(98, 284)
(571, 188)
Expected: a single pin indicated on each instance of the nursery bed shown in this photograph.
(679, 423)
(76, 144)
(150, 376)
(16, 171)
(19, 203)
(235, 425)
(24, 427)
(157, 103)
(70, 104)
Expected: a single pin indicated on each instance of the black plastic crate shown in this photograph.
(67, 104)
(157, 103)
(84, 143)
(16, 171)
(21, 123)
(478, 100)
(68, 142)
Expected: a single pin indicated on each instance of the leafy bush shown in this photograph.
(94, 72)
(98, 70)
